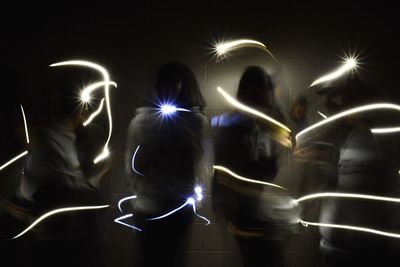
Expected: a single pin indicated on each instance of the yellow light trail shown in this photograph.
(348, 65)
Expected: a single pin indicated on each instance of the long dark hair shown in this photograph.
(255, 88)
(168, 76)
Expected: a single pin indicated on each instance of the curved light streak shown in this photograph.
(225, 47)
(247, 109)
(94, 114)
(348, 65)
(56, 211)
(201, 217)
(349, 112)
(189, 201)
(350, 227)
(385, 130)
(13, 160)
(125, 199)
(86, 92)
(106, 78)
(347, 195)
(25, 125)
(133, 162)
(119, 220)
(226, 170)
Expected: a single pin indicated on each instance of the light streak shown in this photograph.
(13, 160)
(350, 227)
(133, 162)
(123, 200)
(107, 82)
(322, 114)
(169, 109)
(385, 130)
(86, 92)
(94, 114)
(201, 217)
(347, 195)
(225, 47)
(56, 211)
(226, 170)
(349, 112)
(25, 125)
(189, 201)
(247, 109)
(348, 65)
(118, 220)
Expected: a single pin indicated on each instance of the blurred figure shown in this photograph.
(261, 220)
(169, 152)
(364, 163)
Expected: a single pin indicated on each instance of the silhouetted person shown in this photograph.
(260, 222)
(173, 155)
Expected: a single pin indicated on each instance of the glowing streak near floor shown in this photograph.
(119, 220)
(13, 160)
(385, 130)
(247, 109)
(347, 195)
(94, 114)
(123, 200)
(25, 125)
(348, 112)
(225, 47)
(106, 81)
(226, 170)
(56, 211)
(322, 114)
(348, 65)
(133, 162)
(350, 227)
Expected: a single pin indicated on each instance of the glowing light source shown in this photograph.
(385, 130)
(133, 162)
(226, 170)
(56, 211)
(25, 125)
(348, 65)
(349, 112)
(169, 109)
(350, 227)
(225, 47)
(247, 109)
(13, 160)
(199, 193)
(106, 84)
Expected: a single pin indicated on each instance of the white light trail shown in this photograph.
(133, 162)
(350, 227)
(56, 211)
(94, 114)
(385, 130)
(226, 170)
(349, 112)
(86, 92)
(13, 160)
(199, 193)
(189, 201)
(347, 195)
(125, 199)
(247, 109)
(119, 220)
(348, 65)
(25, 125)
(201, 217)
(107, 82)
(225, 47)
(322, 114)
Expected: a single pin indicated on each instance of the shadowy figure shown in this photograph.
(261, 218)
(364, 163)
(169, 152)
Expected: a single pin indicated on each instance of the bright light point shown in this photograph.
(199, 193)
(85, 96)
(13, 160)
(348, 65)
(349, 112)
(191, 201)
(168, 109)
(226, 170)
(56, 211)
(350, 227)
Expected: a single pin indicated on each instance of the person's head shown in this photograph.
(255, 88)
(176, 82)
